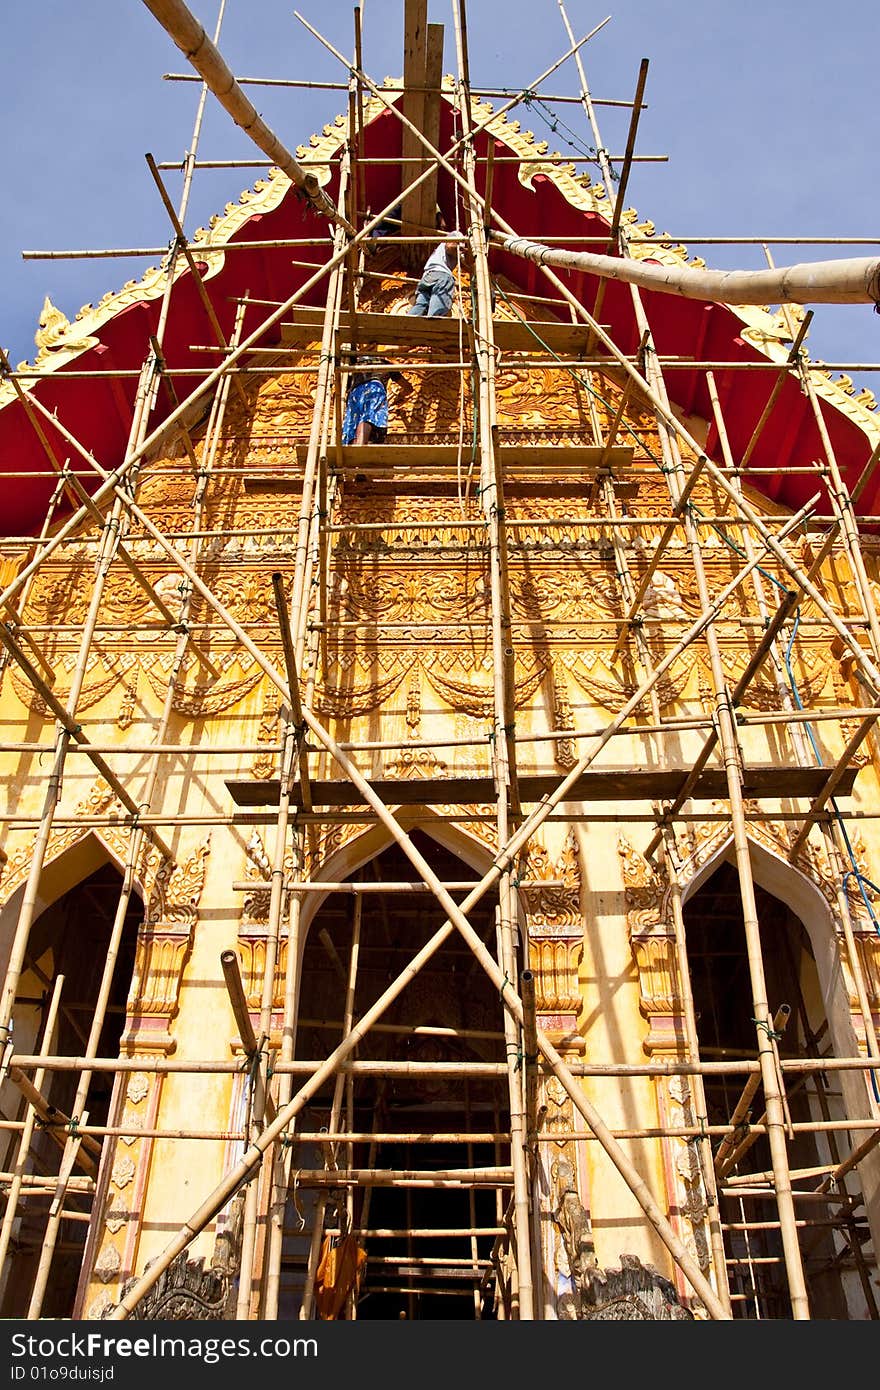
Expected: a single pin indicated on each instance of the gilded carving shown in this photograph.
(98, 802)
(177, 889)
(138, 1087)
(554, 910)
(205, 697)
(252, 954)
(123, 1171)
(265, 764)
(163, 946)
(108, 1264)
(54, 334)
(555, 963)
(564, 749)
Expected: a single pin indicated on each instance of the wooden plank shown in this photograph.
(415, 47)
(430, 126)
(541, 337)
(604, 784)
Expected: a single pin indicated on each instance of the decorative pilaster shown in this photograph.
(555, 939)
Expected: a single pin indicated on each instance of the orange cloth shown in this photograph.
(339, 1270)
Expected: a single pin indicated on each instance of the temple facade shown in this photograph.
(439, 872)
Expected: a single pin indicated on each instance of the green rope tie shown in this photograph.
(766, 1028)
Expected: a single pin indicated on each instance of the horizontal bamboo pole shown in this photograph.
(391, 88)
(847, 281)
(76, 1184)
(358, 888)
(496, 1176)
(331, 817)
(420, 1232)
(768, 1194)
(733, 1066)
(755, 719)
(428, 1261)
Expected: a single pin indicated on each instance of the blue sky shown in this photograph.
(765, 110)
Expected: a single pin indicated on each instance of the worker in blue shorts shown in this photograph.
(366, 405)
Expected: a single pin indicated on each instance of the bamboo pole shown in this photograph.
(264, 1106)
(283, 1152)
(180, 244)
(194, 43)
(744, 1104)
(19, 1177)
(503, 742)
(854, 280)
(333, 1176)
(831, 785)
(757, 658)
(134, 852)
(773, 1092)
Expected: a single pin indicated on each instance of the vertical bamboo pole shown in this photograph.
(832, 834)
(136, 841)
(472, 1204)
(267, 1001)
(732, 763)
(305, 1311)
(11, 1211)
(503, 743)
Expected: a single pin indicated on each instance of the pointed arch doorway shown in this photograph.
(433, 1092)
(70, 938)
(831, 1229)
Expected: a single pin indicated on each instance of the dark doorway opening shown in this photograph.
(70, 938)
(429, 1239)
(830, 1235)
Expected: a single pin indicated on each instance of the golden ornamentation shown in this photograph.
(554, 911)
(117, 840)
(54, 334)
(564, 749)
(349, 702)
(205, 698)
(687, 1171)
(138, 1087)
(466, 695)
(556, 963)
(644, 888)
(416, 762)
(265, 765)
(611, 689)
(177, 890)
(255, 908)
(252, 955)
(163, 946)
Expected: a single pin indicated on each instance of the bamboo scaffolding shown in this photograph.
(333, 1176)
(20, 1178)
(72, 1149)
(509, 842)
(503, 746)
(771, 1079)
(306, 1066)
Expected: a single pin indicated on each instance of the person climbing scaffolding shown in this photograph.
(436, 287)
(366, 404)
